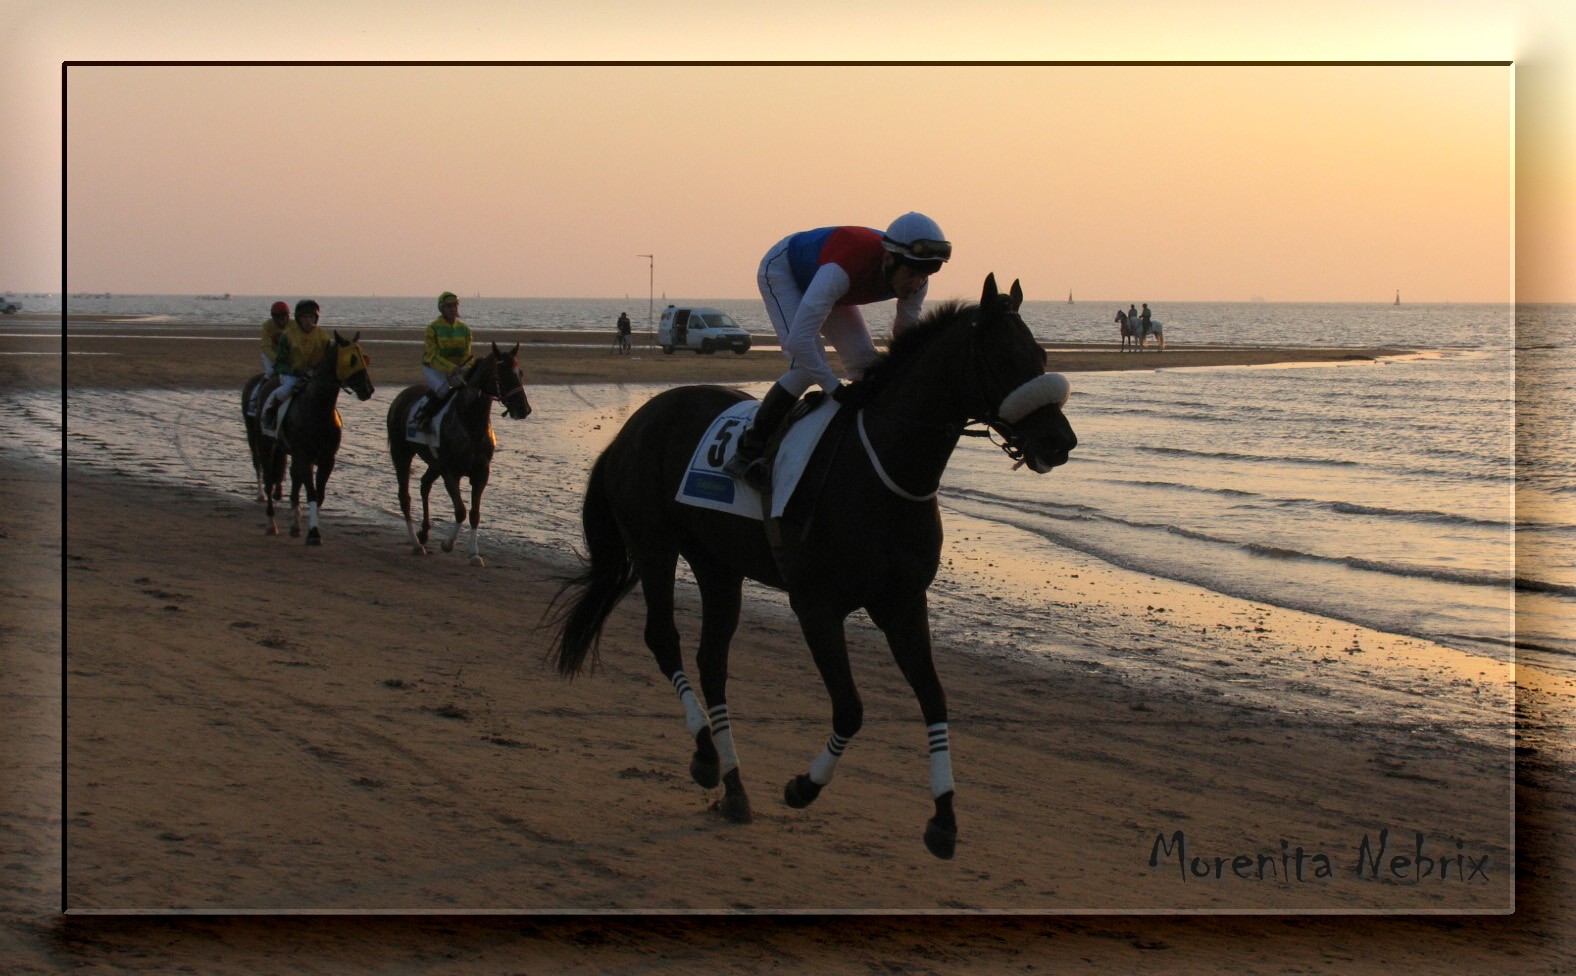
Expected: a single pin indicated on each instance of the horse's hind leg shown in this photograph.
(427, 478)
(907, 628)
(402, 458)
(662, 637)
(720, 595)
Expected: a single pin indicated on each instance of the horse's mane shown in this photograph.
(905, 348)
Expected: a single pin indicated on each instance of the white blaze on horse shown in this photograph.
(863, 531)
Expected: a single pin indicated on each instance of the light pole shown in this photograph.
(651, 290)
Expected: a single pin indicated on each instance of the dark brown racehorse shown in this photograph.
(870, 538)
(308, 434)
(465, 443)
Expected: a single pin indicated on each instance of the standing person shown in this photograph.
(623, 331)
(1124, 328)
(813, 283)
(446, 352)
(301, 347)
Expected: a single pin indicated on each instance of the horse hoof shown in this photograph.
(313, 539)
(706, 774)
(735, 808)
(448, 547)
(477, 561)
(801, 791)
(941, 841)
(418, 550)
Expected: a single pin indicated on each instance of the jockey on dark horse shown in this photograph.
(813, 283)
(446, 352)
(301, 347)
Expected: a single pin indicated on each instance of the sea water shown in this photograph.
(1431, 495)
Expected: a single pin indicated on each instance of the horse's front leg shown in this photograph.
(478, 485)
(907, 627)
(316, 491)
(451, 483)
(823, 631)
(300, 474)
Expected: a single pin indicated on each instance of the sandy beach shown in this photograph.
(253, 730)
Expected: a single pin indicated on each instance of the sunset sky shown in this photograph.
(1183, 183)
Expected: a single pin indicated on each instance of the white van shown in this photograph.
(702, 329)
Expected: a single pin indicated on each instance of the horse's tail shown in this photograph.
(609, 576)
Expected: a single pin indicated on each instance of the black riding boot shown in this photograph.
(748, 463)
(429, 407)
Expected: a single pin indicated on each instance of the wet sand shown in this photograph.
(398, 744)
(112, 352)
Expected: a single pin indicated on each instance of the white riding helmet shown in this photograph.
(916, 236)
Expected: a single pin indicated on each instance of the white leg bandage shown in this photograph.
(940, 760)
(722, 736)
(694, 718)
(824, 765)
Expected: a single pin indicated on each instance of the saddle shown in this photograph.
(706, 485)
(807, 405)
(426, 433)
(260, 393)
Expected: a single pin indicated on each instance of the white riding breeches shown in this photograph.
(799, 328)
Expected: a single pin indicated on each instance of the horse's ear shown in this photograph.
(496, 350)
(1017, 294)
(339, 340)
(988, 298)
(356, 337)
(515, 351)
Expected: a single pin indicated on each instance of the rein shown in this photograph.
(493, 394)
(992, 422)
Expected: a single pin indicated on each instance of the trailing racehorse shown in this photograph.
(465, 442)
(268, 465)
(870, 538)
(309, 433)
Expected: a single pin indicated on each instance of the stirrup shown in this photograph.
(755, 472)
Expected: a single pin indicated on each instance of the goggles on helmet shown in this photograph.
(923, 250)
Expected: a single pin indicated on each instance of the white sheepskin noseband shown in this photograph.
(1048, 389)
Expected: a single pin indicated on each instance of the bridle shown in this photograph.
(1012, 442)
(980, 379)
(497, 385)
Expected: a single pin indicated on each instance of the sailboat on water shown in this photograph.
(1069, 298)
(1398, 296)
